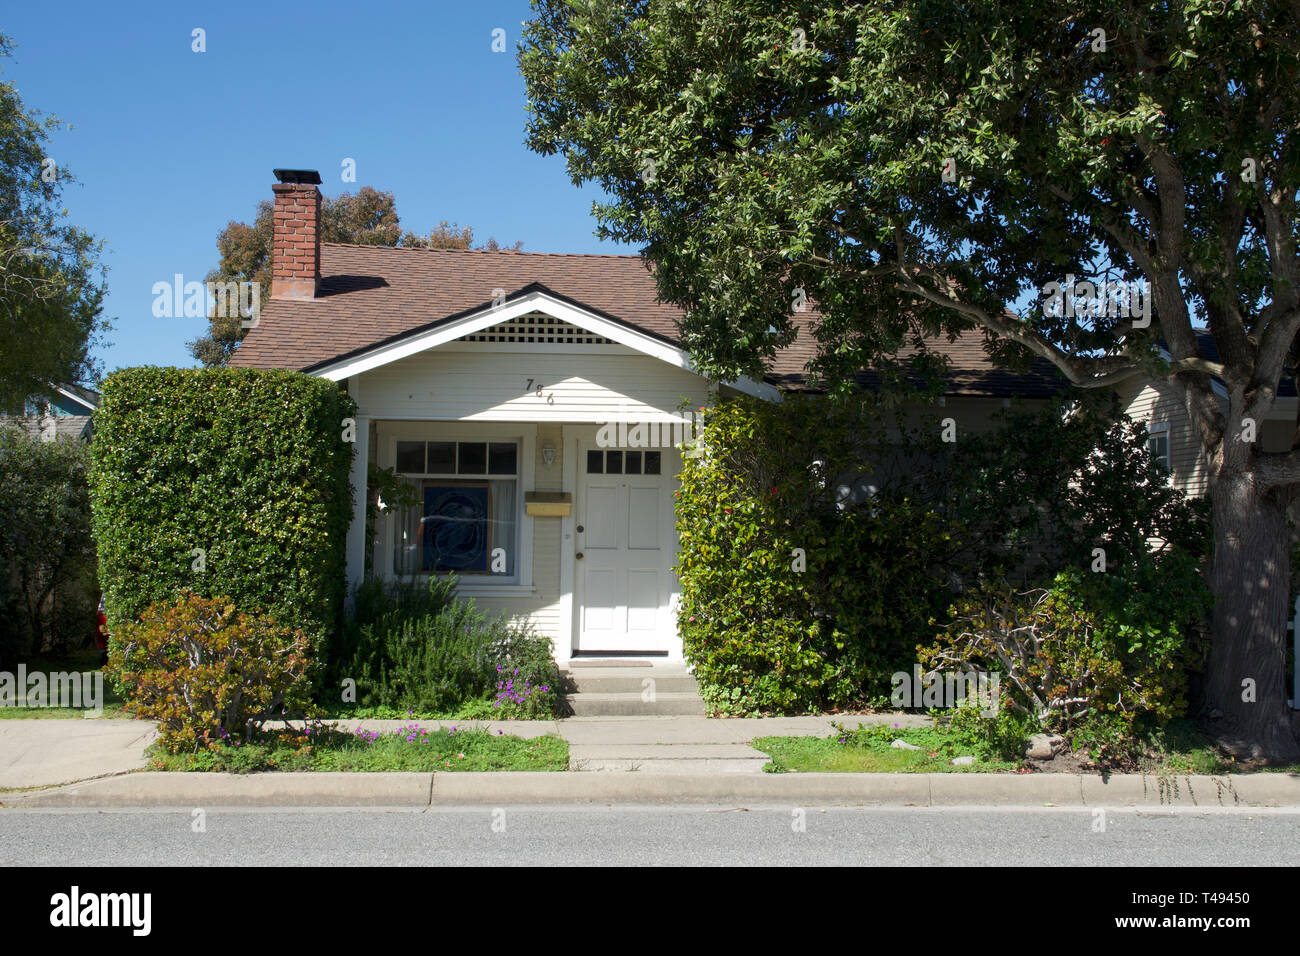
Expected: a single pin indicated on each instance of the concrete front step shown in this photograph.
(667, 758)
(632, 705)
(606, 688)
(612, 682)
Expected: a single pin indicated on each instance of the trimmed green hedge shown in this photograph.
(249, 466)
(787, 604)
(795, 598)
(47, 560)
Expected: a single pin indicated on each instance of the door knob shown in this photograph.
(578, 555)
(580, 529)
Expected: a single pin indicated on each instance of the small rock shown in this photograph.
(904, 745)
(962, 761)
(1044, 746)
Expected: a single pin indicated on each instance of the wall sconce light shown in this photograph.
(548, 455)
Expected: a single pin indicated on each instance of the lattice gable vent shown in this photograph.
(540, 328)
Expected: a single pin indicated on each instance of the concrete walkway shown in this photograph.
(41, 753)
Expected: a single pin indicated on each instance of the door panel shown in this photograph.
(643, 530)
(622, 577)
(602, 517)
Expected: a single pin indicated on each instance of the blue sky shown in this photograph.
(169, 145)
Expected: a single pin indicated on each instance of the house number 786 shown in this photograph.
(549, 396)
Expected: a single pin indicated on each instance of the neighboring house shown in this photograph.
(494, 382)
(66, 411)
(1172, 437)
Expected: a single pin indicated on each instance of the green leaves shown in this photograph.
(821, 168)
(45, 545)
(52, 284)
(801, 591)
(206, 672)
(248, 467)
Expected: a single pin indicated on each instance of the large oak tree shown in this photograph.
(757, 151)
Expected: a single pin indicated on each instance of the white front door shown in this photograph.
(624, 543)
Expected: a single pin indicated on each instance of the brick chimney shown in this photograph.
(295, 242)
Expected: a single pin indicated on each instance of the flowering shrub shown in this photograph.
(208, 673)
(519, 699)
(417, 649)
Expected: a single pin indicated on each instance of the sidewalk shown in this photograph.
(41, 753)
(667, 760)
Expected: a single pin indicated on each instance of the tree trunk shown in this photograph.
(1246, 693)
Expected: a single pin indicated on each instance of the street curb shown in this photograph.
(162, 789)
(422, 790)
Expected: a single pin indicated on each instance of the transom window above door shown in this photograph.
(609, 462)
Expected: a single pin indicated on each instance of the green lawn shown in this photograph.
(84, 661)
(868, 751)
(1177, 748)
(481, 709)
(414, 748)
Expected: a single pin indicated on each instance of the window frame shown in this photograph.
(525, 439)
(1157, 430)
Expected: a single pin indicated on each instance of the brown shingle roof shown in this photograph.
(370, 294)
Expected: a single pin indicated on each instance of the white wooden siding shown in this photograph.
(1152, 402)
(470, 384)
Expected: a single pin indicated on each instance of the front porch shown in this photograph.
(537, 519)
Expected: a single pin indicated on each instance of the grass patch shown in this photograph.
(83, 661)
(1178, 748)
(1181, 748)
(413, 748)
(479, 709)
(111, 711)
(868, 750)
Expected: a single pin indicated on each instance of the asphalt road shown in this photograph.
(651, 836)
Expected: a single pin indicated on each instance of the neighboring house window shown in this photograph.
(1158, 444)
(467, 519)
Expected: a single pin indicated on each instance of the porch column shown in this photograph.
(356, 543)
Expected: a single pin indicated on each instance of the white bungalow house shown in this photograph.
(494, 383)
